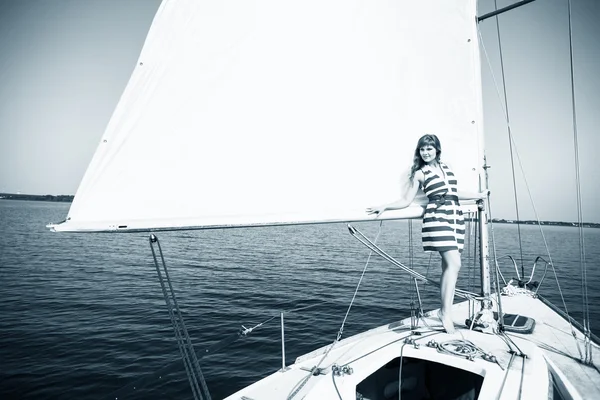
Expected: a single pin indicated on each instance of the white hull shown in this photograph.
(549, 348)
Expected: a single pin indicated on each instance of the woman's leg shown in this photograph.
(450, 269)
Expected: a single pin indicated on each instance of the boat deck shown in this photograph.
(512, 377)
(553, 335)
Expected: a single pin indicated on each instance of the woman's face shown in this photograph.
(428, 153)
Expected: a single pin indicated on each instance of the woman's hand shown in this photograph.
(484, 194)
(376, 210)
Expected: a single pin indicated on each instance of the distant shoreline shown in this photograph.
(67, 198)
(556, 223)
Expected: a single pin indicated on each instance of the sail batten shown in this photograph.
(249, 113)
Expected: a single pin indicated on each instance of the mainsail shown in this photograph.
(242, 113)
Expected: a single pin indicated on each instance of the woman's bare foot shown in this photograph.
(447, 322)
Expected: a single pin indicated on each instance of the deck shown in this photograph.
(513, 377)
(553, 336)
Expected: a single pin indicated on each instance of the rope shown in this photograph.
(134, 386)
(463, 348)
(585, 300)
(522, 378)
(512, 357)
(408, 335)
(512, 343)
(246, 331)
(335, 386)
(400, 371)
(511, 290)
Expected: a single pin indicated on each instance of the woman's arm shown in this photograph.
(465, 195)
(402, 202)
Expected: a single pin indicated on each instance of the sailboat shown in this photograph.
(268, 113)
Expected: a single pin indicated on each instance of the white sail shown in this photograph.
(244, 113)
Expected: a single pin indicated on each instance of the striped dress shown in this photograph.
(443, 223)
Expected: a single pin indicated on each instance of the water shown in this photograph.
(82, 315)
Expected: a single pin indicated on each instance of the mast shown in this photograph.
(484, 253)
(484, 257)
(485, 317)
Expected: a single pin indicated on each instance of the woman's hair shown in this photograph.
(418, 163)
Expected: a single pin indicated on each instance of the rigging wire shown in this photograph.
(411, 266)
(510, 138)
(414, 313)
(380, 252)
(529, 193)
(340, 332)
(534, 207)
(471, 258)
(184, 342)
(496, 266)
(585, 300)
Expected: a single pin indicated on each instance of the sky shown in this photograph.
(65, 63)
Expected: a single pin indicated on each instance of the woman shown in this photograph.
(443, 223)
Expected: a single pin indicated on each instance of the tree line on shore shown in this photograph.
(37, 197)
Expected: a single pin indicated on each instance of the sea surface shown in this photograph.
(82, 316)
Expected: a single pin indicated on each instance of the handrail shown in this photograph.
(377, 250)
(533, 271)
(283, 367)
(515, 265)
(537, 259)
